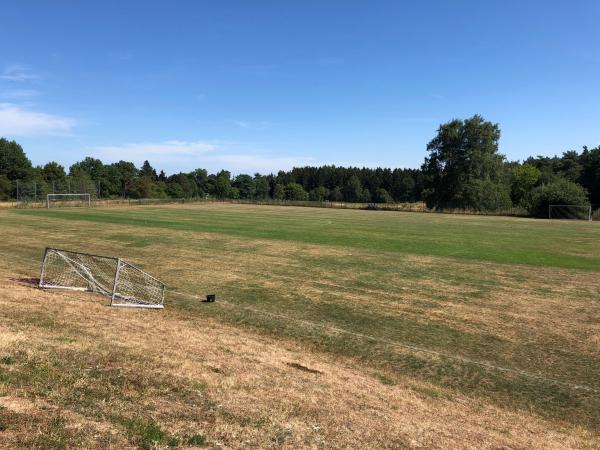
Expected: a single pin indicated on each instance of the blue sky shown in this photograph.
(265, 85)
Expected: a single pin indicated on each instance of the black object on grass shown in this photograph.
(210, 298)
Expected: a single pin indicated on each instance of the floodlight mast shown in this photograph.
(53, 196)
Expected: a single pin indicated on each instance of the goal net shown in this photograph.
(69, 199)
(573, 212)
(125, 284)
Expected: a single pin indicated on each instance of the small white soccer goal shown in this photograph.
(572, 212)
(125, 284)
(69, 199)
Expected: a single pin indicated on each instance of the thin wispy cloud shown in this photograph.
(256, 162)
(18, 73)
(177, 155)
(261, 125)
(163, 151)
(17, 121)
(18, 94)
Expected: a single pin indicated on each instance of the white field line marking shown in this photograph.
(414, 348)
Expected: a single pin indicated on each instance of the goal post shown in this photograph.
(125, 284)
(69, 199)
(571, 212)
(132, 285)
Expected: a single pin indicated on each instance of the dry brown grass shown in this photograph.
(250, 391)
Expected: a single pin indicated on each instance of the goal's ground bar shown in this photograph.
(70, 288)
(136, 305)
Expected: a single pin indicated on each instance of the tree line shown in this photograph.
(463, 169)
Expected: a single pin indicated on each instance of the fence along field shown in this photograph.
(501, 310)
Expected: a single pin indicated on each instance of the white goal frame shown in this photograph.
(586, 209)
(53, 196)
(126, 285)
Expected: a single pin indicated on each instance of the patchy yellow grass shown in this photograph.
(252, 389)
(84, 375)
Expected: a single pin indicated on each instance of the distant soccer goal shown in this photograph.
(69, 199)
(125, 284)
(572, 212)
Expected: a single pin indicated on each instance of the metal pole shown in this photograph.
(114, 292)
(43, 271)
(17, 191)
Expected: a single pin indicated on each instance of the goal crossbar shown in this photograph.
(125, 284)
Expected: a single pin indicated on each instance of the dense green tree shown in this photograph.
(245, 185)
(174, 190)
(6, 188)
(352, 189)
(261, 186)
(200, 177)
(336, 195)
(183, 186)
(319, 194)
(295, 191)
(159, 190)
(489, 195)
(14, 163)
(222, 186)
(570, 166)
(278, 191)
(234, 193)
(122, 176)
(559, 192)
(80, 182)
(148, 171)
(523, 179)
(366, 196)
(382, 196)
(404, 187)
(98, 172)
(53, 171)
(590, 174)
(462, 156)
(92, 166)
(143, 187)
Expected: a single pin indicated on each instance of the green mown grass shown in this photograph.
(564, 244)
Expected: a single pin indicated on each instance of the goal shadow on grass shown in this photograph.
(32, 281)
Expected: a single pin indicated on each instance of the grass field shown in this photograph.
(332, 328)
